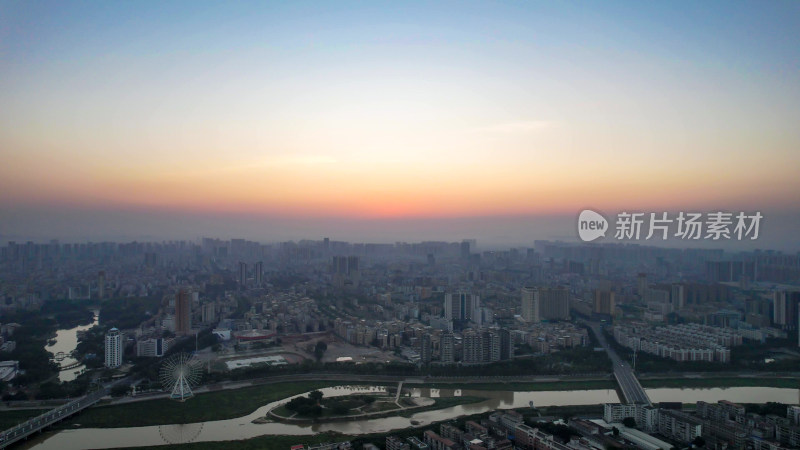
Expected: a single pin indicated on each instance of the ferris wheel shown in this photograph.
(179, 373)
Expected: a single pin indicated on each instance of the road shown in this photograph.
(632, 390)
(43, 421)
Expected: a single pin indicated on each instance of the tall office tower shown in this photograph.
(530, 305)
(604, 302)
(242, 273)
(113, 348)
(425, 349)
(101, 284)
(461, 306)
(447, 348)
(258, 272)
(183, 312)
(641, 284)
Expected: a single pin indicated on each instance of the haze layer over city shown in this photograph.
(393, 121)
(400, 226)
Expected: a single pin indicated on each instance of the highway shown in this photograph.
(631, 389)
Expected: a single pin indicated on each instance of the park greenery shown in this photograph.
(36, 328)
(128, 312)
(313, 405)
(218, 405)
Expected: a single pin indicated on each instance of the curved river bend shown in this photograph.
(243, 428)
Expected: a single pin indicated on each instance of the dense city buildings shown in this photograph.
(247, 307)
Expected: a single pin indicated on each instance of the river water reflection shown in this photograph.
(243, 428)
(66, 341)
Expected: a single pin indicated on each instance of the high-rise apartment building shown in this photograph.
(258, 273)
(425, 349)
(485, 346)
(242, 273)
(208, 312)
(530, 305)
(447, 348)
(554, 303)
(461, 306)
(113, 348)
(345, 269)
(786, 310)
(473, 347)
(544, 303)
(183, 312)
(604, 302)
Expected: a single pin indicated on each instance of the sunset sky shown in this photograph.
(392, 120)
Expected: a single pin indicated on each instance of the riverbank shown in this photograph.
(532, 386)
(282, 442)
(721, 382)
(233, 403)
(219, 405)
(281, 414)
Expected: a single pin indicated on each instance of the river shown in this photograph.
(243, 428)
(66, 341)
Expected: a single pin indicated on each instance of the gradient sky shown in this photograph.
(329, 118)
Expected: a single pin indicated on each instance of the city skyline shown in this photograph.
(415, 121)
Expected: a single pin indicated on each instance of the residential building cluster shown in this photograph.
(684, 342)
(721, 425)
(549, 337)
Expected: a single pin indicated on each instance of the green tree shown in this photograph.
(340, 409)
(119, 390)
(629, 422)
(319, 349)
(316, 396)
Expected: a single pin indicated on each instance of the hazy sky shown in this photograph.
(304, 119)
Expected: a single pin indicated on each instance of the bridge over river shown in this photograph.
(38, 423)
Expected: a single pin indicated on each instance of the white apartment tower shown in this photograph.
(113, 348)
